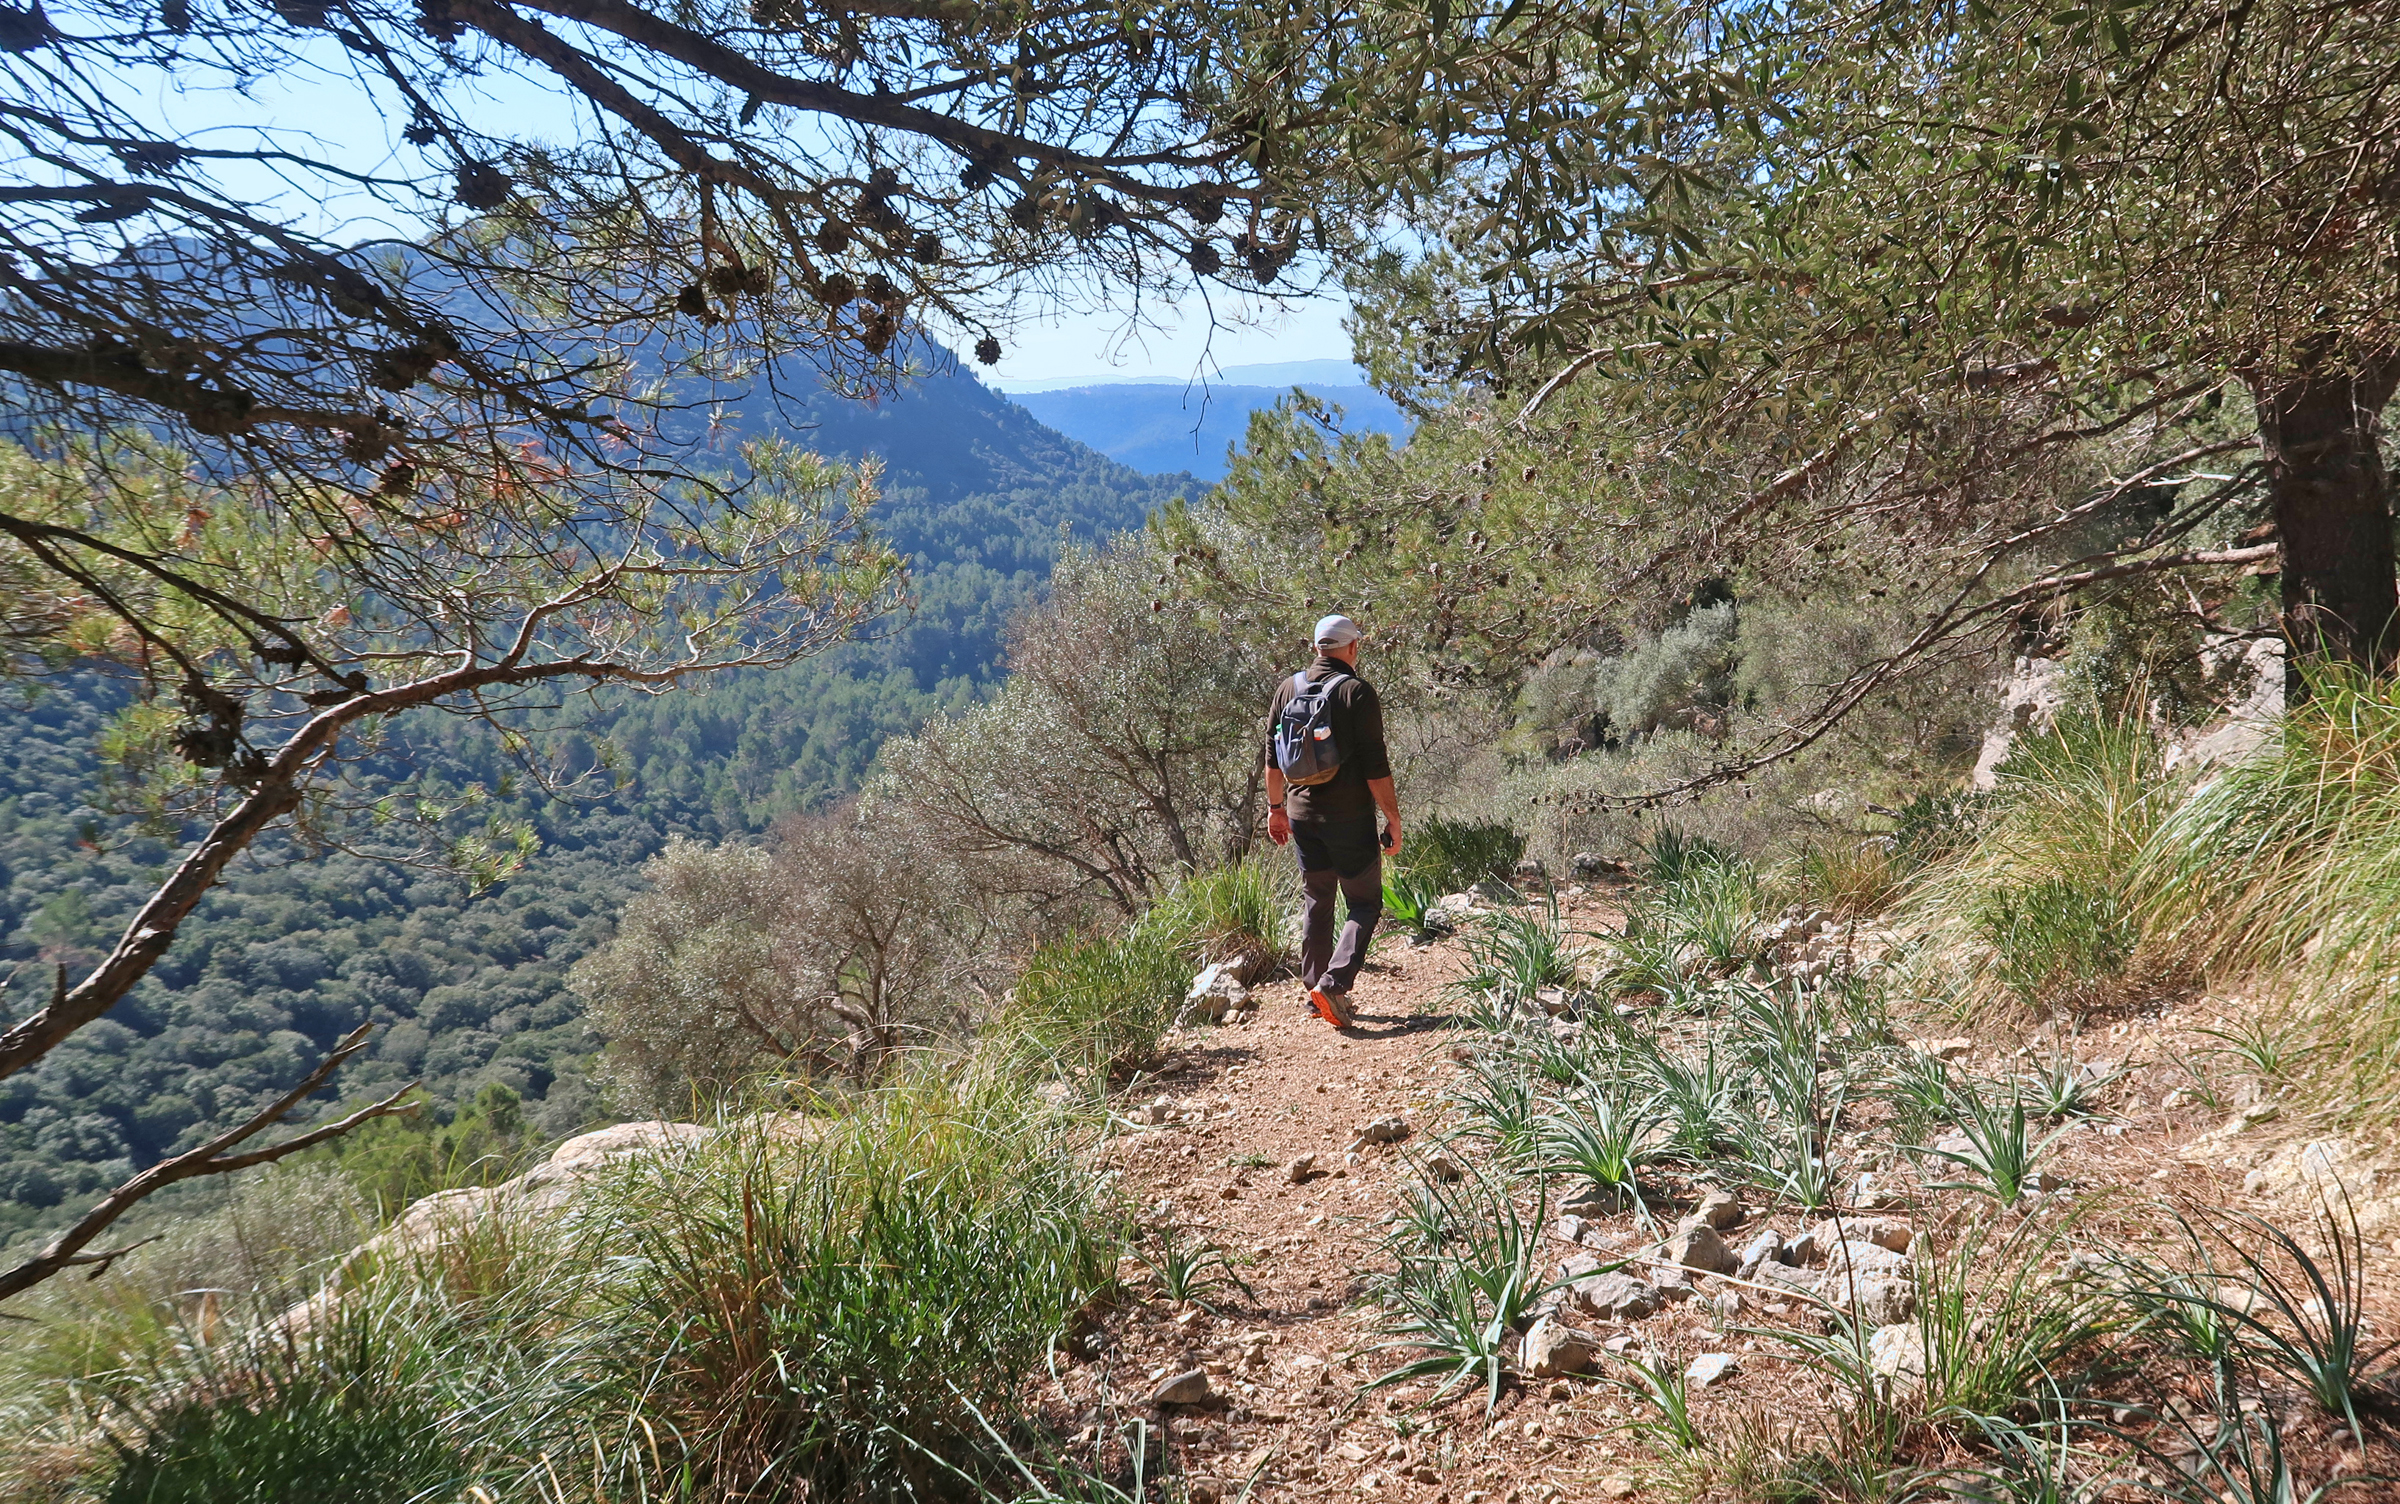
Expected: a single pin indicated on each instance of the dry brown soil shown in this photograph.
(1290, 1416)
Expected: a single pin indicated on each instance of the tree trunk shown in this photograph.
(2318, 430)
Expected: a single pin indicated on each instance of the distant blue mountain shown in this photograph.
(1163, 428)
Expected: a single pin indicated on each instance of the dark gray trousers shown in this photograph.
(1341, 859)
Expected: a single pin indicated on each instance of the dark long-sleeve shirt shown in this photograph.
(1357, 719)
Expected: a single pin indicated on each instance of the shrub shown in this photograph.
(1936, 823)
(819, 954)
(827, 1313)
(1686, 669)
(393, 1161)
(2052, 933)
(1090, 1008)
(1457, 854)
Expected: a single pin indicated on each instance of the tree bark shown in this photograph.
(2318, 430)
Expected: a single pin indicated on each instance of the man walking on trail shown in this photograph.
(1327, 774)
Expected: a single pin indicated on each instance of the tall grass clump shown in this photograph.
(790, 1307)
(360, 1406)
(824, 1310)
(2294, 852)
(2288, 864)
(1239, 915)
(1853, 878)
(1089, 1007)
(260, 1247)
(2039, 899)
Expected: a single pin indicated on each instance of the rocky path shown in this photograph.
(1215, 1152)
(1286, 1361)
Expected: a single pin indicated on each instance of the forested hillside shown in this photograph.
(298, 947)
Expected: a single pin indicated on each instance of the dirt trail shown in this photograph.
(1286, 1362)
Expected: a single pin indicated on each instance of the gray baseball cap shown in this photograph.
(1336, 632)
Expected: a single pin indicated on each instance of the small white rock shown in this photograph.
(1712, 1368)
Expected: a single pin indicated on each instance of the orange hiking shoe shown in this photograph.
(1333, 1007)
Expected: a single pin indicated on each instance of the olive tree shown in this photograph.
(820, 954)
(1916, 262)
(1121, 751)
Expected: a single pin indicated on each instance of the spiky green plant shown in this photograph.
(1669, 1395)
(1407, 898)
(2063, 1087)
(1460, 1306)
(1603, 1135)
(1498, 1102)
(2000, 1157)
(1188, 1267)
(1700, 1093)
(2304, 1318)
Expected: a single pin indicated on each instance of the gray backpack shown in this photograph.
(1304, 742)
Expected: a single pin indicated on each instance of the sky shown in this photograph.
(315, 96)
(1098, 344)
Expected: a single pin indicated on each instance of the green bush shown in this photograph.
(1090, 1008)
(1936, 823)
(1238, 914)
(823, 1310)
(2052, 934)
(1457, 854)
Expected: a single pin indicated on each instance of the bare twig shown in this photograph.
(68, 1250)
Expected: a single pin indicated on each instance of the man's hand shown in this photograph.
(1279, 827)
(1387, 799)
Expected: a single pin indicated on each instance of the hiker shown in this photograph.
(1327, 774)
